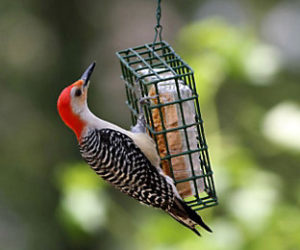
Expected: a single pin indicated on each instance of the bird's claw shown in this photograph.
(145, 99)
(140, 126)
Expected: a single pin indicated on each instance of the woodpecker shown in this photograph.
(128, 160)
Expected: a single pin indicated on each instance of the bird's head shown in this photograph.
(72, 102)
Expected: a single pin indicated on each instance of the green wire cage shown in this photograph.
(154, 72)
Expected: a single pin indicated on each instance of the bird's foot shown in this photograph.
(145, 100)
(140, 126)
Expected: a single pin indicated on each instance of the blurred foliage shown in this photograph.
(249, 95)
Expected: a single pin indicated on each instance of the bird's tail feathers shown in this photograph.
(186, 216)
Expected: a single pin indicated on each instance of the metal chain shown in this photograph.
(158, 28)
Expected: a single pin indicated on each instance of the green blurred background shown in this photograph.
(246, 56)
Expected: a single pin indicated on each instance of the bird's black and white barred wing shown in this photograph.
(118, 160)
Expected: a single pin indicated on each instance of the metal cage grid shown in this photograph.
(160, 55)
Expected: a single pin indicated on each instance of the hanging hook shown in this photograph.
(158, 28)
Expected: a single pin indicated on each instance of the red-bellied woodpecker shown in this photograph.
(126, 159)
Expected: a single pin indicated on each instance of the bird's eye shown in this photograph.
(78, 92)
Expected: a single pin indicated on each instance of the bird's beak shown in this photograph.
(87, 74)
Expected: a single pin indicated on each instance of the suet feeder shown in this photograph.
(160, 85)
